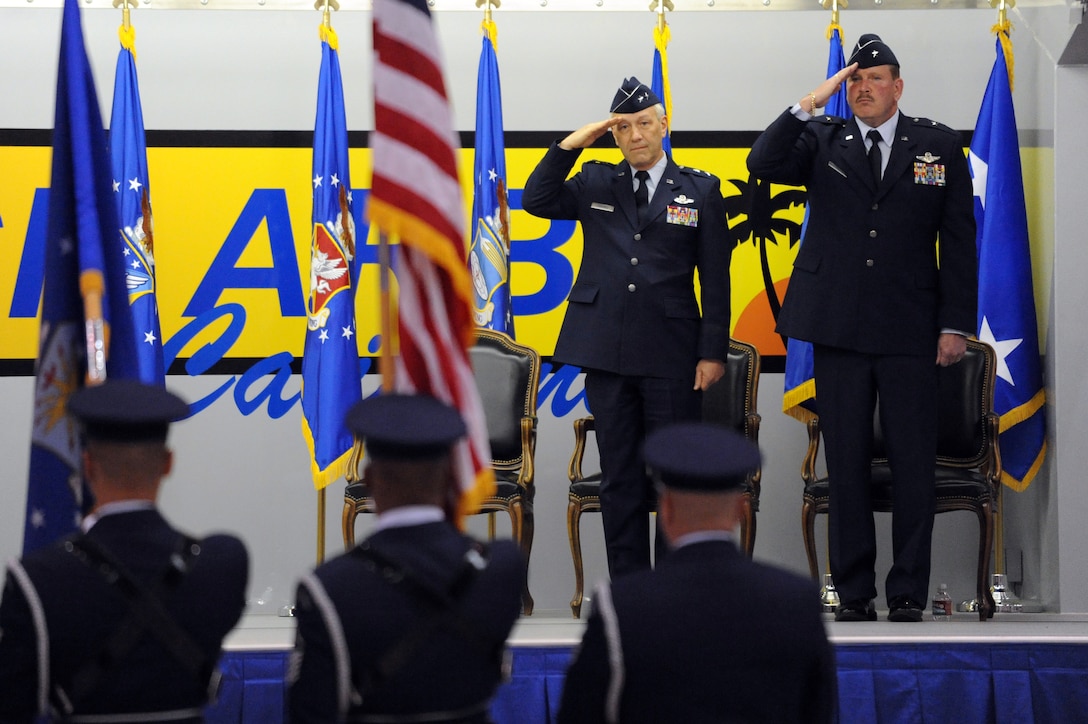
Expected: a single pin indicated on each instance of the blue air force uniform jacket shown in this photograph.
(870, 276)
(351, 619)
(709, 636)
(632, 309)
(58, 613)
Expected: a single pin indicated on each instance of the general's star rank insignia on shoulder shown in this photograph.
(682, 215)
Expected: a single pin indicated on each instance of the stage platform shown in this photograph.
(1018, 667)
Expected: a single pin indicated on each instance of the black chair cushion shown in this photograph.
(506, 487)
(952, 484)
(590, 487)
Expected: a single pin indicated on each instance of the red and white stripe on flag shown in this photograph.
(415, 198)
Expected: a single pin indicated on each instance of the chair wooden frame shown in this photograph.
(512, 435)
(967, 479)
(582, 496)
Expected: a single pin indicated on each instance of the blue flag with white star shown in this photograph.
(1006, 300)
(489, 254)
(799, 398)
(83, 295)
(132, 192)
(330, 363)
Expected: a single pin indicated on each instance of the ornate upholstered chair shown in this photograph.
(968, 461)
(507, 375)
(731, 402)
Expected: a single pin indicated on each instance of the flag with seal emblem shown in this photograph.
(86, 325)
(489, 255)
(415, 199)
(132, 192)
(330, 362)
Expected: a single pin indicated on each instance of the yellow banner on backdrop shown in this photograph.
(232, 232)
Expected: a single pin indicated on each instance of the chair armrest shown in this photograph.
(808, 465)
(992, 465)
(582, 426)
(528, 454)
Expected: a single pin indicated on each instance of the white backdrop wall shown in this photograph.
(257, 70)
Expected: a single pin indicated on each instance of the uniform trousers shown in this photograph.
(848, 385)
(625, 408)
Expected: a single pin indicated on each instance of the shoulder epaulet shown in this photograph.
(928, 123)
(609, 164)
(828, 120)
(695, 171)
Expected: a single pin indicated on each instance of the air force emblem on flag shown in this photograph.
(138, 249)
(59, 375)
(331, 252)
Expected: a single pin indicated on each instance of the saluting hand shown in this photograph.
(826, 90)
(587, 134)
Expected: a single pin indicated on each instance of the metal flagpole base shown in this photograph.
(1004, 601)
(829, 597)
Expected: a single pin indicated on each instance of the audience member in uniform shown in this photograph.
(633, 321)
(411, 625)
(709, 635)
(125, 620)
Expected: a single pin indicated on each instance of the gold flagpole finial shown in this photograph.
(1002, 7)
(659, 7)
(126, 17)
(487, 5)
(324, 6)
(834, 6)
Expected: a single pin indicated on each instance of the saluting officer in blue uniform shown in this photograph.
(709, 635)
(124, 621)
(633, 322)
(410, 625)
(885, 286)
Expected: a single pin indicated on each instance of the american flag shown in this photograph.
(416, 198)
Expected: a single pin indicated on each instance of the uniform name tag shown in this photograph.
(602, 207)
(682, 215)
(929, 174)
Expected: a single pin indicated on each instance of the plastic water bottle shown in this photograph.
(942, 604)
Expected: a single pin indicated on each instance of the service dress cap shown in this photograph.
(871, 51)
(633, 97)
(700, 457)
(405, 427)
(126, 411)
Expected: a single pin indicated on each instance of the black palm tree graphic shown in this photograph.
(760, 225)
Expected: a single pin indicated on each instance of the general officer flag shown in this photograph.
(659, 78)
(330, 363)
(489, 255)
(1006, 300)
(132, 192)
(415, 199)
(799, 399)
(86, 325)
